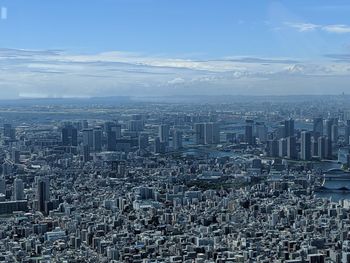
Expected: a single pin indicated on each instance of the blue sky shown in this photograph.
(173, 47)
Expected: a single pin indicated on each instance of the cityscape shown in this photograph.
(170, 131)
(140, 181)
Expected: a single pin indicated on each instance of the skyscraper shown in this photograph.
(261, 131)
(143, 141)
(15, 155)
(305, 145)
(334, 137)
(200, 133)
(86, 153)
(163, 133)
(135, 125)
(177, 139)
(291, 148)
(314, 147)
(347, 132)
(211, 133)
(249, 132)
(97, 139)
(43, 192)
(330, 135)
(272, 148)
(9, 131)
(289, 128)
(2, 185)
(282, 147)
(159, 147)
(18, 189)
(322, 147)
(88, 138)
(113, 131)
(317, 127)
(69, 135)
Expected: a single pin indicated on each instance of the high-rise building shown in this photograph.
(143, 141)
(86, 153)
(199, 129)
(306, 145)
(330, 135)
(211, 133)
(347, 132)
(113, 131)
(2, 185)
(163, 133)
(9, 131)
(317, 127)
(97, 139)
(216, 133)
(289, 128)
(261, 131)
(314, 147)
(291, 148)
(135, 125)
(84, 124)
(69, 135)
(177, 139)
(88, 139)
(15, 155)
(322, 147)
(329, 123)
(334, 137)
(159, 147)
(272, 148)
(43, 193)
(279, 133)
(249, 139)
(111, 140)
(18, 189)
(282, 147)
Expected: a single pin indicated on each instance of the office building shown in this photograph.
(143, 141)
(291, 148)
(43, 192)
(163, 133)
(69, 135)
(305, 146)
(322, 147)
(282, 147)
(199, 129)
(249, 125)
(97, 139)
(211, 133)
(317, 127)
(177, 139)
(18, 189)
(88, 139)
(288, 128)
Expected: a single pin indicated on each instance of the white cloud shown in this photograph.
(340, 29)
(305, 27)
(46, 73)
(176, 81)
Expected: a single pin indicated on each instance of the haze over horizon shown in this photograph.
(171, 48)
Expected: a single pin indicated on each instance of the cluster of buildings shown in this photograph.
(173, 184)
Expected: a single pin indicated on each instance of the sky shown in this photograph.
(87, 48)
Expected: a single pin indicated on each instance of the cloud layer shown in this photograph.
(304, 27)
(56, 73)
